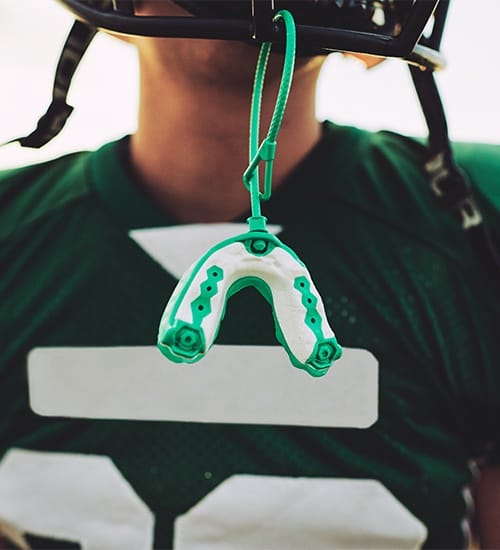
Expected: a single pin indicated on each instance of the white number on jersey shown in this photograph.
(84, 498)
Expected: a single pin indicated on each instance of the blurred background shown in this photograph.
(105, 89)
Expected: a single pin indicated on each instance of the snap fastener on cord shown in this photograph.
(192, 317)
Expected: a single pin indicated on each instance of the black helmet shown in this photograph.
(388, 28)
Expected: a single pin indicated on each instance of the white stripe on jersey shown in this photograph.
(232, 384)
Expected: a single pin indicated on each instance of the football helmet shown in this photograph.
(406, 29)
(388, 28)
(385, 28)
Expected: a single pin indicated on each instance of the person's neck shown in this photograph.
(191, 146)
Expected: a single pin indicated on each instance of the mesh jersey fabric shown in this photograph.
(398, 278)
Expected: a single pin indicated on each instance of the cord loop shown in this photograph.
(266, 151)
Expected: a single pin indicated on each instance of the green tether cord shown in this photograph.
(267, 149)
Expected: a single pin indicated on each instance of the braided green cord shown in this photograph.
(255, 109)
(287, 74)
(266, 151)
(258, 87)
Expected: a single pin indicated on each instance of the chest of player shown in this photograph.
(173, 466)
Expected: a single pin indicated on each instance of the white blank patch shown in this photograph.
(232, 384)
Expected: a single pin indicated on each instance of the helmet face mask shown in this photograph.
(384, 17)
(387, 28)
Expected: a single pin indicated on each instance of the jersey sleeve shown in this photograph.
(481, 163)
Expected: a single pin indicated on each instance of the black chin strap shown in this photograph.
(53, 121)
(448, 182)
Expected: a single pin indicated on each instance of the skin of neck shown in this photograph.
(191, 146)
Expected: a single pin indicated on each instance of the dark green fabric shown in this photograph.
(397, 275)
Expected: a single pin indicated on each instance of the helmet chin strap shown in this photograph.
(78, 40)
(53, 121)
(448, 182)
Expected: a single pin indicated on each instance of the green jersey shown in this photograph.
(88, 263)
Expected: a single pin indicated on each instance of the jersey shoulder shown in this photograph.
(33, 193)
(394, 164)
(479, 161)
(382, 175)
(379, 168)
